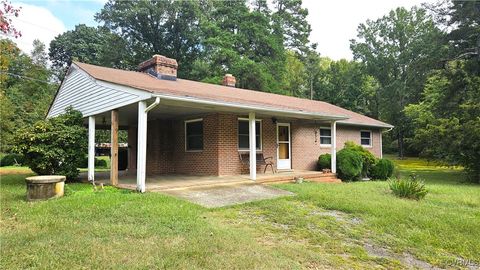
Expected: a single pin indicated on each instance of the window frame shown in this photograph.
(260, 134)
(186, 122)
(320, 136)
(370, 139)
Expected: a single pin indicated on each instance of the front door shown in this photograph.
(283, 146)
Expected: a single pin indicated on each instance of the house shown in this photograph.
(199, 129)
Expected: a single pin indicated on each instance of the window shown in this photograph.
(194, 135)
(325, 136)
(366, 138)
(244, 138)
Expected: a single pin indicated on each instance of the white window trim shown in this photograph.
(185, 133)
(371, 138)
(261, 135)
(320, 136)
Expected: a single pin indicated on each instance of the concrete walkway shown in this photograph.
(228, 195)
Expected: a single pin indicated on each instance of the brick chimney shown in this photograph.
(229, 80)
(161, 67)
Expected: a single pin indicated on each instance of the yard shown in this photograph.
(352, 225)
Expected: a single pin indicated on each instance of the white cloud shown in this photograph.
(36, 22)
(335, 22)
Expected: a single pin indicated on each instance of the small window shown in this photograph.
(325, 136)
(243, 135)
(194, 135)
(366, 138)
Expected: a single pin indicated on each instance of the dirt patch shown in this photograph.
(337, 215)
(231, 195)
(405, 258)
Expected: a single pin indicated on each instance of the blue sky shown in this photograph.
(71, 12)
(334, 22)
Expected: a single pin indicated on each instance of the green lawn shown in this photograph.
(324, 226)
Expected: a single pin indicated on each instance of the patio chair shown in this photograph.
(261, 160)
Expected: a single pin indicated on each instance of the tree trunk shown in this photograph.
(400, 145)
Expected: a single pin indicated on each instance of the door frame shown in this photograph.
(289, 146)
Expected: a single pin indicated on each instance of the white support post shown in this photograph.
(91, 148)
(253, 148)
(334, 146)
(142, 146)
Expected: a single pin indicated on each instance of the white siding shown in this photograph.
(85, 94)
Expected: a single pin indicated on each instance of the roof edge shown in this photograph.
(384, 125)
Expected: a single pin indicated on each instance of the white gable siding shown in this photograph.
(90, 97)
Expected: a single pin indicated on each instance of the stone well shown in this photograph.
(44, 187)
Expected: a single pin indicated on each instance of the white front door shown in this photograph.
(283, 146)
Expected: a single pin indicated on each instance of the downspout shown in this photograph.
(153, 105)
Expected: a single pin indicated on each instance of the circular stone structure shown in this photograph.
(44, 187)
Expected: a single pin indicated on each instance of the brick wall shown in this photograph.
(166, 145)
(203, 162)
(306, 143)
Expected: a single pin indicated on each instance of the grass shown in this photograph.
(323, 226)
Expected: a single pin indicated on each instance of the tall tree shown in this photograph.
(399, 50)
(295, 79)
(26, 90)
(93, 45)
(447, 121)
(465, 35)
(170, 28)
(291, 23)
(346, 84)
(38, 54)
(241, 41)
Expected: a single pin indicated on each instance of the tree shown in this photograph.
(240, 41)
(170, 28)
(346, 84)
(291, 23)
(6, 123)
(294, 79)
(38, 54)
(399, 50)
(447, 121)
(7, 11)
(26, 89)
(465, 36)
(93, 45)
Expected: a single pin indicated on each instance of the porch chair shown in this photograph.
(261, 160)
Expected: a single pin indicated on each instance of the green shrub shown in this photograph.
(368, 158)
(383, 169)
(55, 145)
(324, 161)
(349, 164)
(408, 188)
(11, 159)
(99, 163)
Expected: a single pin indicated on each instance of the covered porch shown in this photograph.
(176, 112)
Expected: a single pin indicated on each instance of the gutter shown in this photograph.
(390, 127)
(249, 107)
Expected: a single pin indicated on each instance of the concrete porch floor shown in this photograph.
(165, 182)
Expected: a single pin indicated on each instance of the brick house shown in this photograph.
(197, 128)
